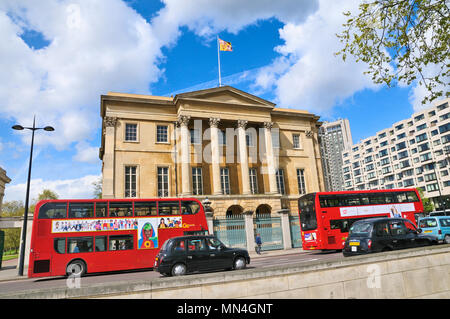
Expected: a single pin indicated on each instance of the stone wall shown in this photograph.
(413, 273)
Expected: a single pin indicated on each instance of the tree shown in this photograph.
(98, 188)
(401, 41)
(427, 203)
(47, 194)
(12, 235)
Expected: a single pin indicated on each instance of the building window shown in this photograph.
(296, 141)
(163, 181)
(130, 181)
(162, 134)
(301, 181)
(197, 181)
(222, 137)
(253, 181)
(130, 132)
(225, 180)
(280, 181)
(249, 139)
(195, 137)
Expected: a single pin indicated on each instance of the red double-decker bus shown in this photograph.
(326, 217)
(73, 237)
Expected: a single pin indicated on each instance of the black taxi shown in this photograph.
(384, 234)
(186, 254)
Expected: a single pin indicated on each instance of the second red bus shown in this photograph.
(326, 217)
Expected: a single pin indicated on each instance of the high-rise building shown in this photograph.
(334, 138)
(411, 153)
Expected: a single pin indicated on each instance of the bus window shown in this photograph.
(81, 210)
(350, 200)
(389, 198)
(100, 243)
(101, 209)
(412, 197)
(376, 198)
(308, 218)
(189, 207)
(329, 201)
(401, 197)
(53, 210)
(145, 209)
(169, 208)
(120, 209)
(121, 242)
(79, 245)
(364, 199)
(60, 245)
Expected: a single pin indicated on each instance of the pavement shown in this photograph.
(9, 270)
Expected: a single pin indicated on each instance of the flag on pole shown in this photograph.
(225, 46)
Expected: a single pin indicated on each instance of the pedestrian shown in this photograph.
(258, 244)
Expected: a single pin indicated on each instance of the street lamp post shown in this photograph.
(25, 215)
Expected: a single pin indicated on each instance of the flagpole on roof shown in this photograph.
(218, 60)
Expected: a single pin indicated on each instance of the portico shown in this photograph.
(222, 143)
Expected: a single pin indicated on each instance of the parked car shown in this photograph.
(439, 213)
(384, 234)
(186, 254)
(438, 226)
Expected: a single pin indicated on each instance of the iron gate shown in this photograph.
(269, 228)
(294, 226)
(231, 231)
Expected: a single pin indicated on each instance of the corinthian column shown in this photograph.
(243, 157)
(215, 155)
(108, 157)
(269, 157)
(183, 121)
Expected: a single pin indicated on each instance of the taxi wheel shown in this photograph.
(178, 269)
(447, 239)
(239, 263)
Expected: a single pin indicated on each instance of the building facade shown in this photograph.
(3, 181)
(411, 153)
(334, 138)
(236, 149)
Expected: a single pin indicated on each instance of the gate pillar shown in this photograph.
(249, 231)
(285, 227)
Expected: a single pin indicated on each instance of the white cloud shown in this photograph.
(69, 188)
(207, 18)
(316, 80)
(94, 47)
(86, 153)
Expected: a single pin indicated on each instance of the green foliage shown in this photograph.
(401, 41)
(98, 188)
(427, 203)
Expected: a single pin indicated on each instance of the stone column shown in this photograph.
(215, 156)
(243, 157)
(109, 157)
(285, 228)
(186, 189)
(249, 231)
(271, 169)
(210, 221)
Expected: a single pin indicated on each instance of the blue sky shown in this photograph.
(58, 57)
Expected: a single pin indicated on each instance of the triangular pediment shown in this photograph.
(226, 95)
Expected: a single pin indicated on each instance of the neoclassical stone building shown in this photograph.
(234, 148)
(3, 180)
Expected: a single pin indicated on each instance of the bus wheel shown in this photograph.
(179, 269)
(76, 268)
